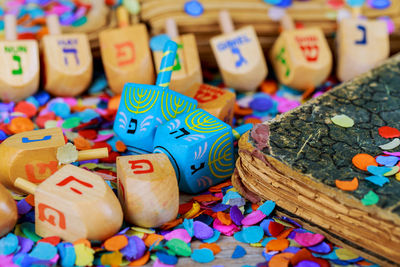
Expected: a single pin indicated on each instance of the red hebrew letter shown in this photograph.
(309, 46)
(125, 53)
(136, 164)
(70, 179)
(53, 214)
(206, 94)
(40, 173)
(122, 190)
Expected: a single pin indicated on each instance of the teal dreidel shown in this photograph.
(144, 107)
(200, 148)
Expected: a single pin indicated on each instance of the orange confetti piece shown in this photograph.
(285, 233)
(277, 245)
(116, 243)
(113, 103)
(217, 188)
(211, 246)
(347, 185)
(242, 111)
(30, 199)
(301, 255)
(20, 125)
(171, 224)
(307, 93)
(364, 263)
(82, 143)
(153, 238)
(269, 87)
(83, 241)
(362, 161)
(254, 206)
(225, 218)
(142, 261)
(280, 260)
(120, 146)
(205, 198)
(253, 120)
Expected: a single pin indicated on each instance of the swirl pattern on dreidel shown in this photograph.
(167, 64)
(173, 104)
(139, 100)
(221, 159)
(202, 122)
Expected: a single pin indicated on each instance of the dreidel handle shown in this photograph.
(225, 22)
(25, 185)
(10, 24)
(239, 131)
(122, 17)
(89, 154)
(356, 12)
(167, 64)
(53, 24)
(287, 22)
(171, 28)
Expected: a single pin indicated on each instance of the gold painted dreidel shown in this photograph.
(8, 211)
(301, 57)
(148, 189)
(187, 68)
(67, 60)
(74, 203)
(239, 55)
(126, 53)
(19, 68)
(33, 155)
(216, 101)
(361, 44)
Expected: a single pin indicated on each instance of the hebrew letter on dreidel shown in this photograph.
(70, 179)
(40, 174)
(184, 132)
(194, 169)
(27, 140)
(363, 40)
(141, 165)
(241, 60)
(280, 58)
(53, 214)
(68, 51)
(19, 70)
(125, 53)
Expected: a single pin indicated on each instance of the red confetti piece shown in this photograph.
(388, 132)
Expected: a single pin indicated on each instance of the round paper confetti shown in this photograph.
(343, 121)
(193, 8)
(203, 255)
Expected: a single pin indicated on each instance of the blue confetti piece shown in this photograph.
(8, 244)
(307, 263)
(379, 171)
(166, 258)
(230, 195)
(3, 135)
(330, 256)
(67, 254)
(207, 219)
(285, 3)
(203, 255)
(293, 250)
(33, 101)
(43, 251)
(214, 238)
(23, 207)
(25, 244)
(1, 24)
(188, 225)
(157, 42)
(378, 180)
(272, 2)
(379, 4)
(220, 207)
(239, 237)
(269, 255)
(88, 115)
(98, 85)
(42, 97)
(267, 207)
(253, 234)
(355, 3)
(388, 161)
(61, 109)
(135, 248)
(239, 252)
(193, 8)
(321, 248)
(266, 240)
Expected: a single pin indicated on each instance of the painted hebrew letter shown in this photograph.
(121, 190)
(241, 60)
(70, 50)
(141, 165)
(206, 94)
(52, 215)
(363, 40)
(19, 70)
(309, 46)
(27, 140)
(280, 58)
(125, 53)
(70, 179)
(184, 132)
(43, 171)
(132, 131)
(194, 169)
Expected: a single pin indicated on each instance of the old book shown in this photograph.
(296, 158)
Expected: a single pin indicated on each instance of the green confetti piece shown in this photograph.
(343, 121)
(179, 247)
(71, 123)
(370, 198)
(132, 6)
(79, 22)
(29, 231)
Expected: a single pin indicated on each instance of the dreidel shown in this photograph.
(19, 68)
(33, 156)
(144, 107)
(200, 148)
(147, 189)
(74, 203)
(361, 44)
(216, 101)
(8, 211)
(239, 55)
(301, 57)
(67, 60)
(187, 68)
(126, 53)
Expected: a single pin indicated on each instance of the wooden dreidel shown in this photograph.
(200, 148)
(216, 101)
(362, 44)
(8, 211)
(74, 203)
(19, 68)
(187, 68)
(33, 155)
(239, 55)
(67, 60)
(143, 107)
(301, 57)
(147, 189)
(126, 54)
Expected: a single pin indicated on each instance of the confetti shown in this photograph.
(239, 252)
(67, 154)
(179, 247)
(391, 145)
(8, 244)
(43, 251)
(84, 255)
(212, 246)
(387, 160)
(202, 230)
(370, 198)
(308, 239)
(203, 255)
(166, 259)
(362, 161)
(267, 207)
(277, 245)
(181, 234)
(388, 132)
(253, 218)
(343, 121)
(347, 185)
(378, 180)
(252, 234)
(236, 215)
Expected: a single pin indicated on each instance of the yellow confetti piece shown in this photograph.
(393, 171)
(18, 231)
(343, 121)
(67, 154)
(231, 190)
(135, 233)
(293, 243)
(282, 222)
(112, 259)
(345, 254)
(398, 176)
(143, 230)
(256, 245)
(84, 255)
(193, 211)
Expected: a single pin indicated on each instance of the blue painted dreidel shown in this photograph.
(144, 107)
(200, 148)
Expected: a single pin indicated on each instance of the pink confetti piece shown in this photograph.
(227, 230)
(397, 154)
(253, 218)
(308, 239)
(158, 263)
(181, 234)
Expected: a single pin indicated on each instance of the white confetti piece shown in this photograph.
(391, 145)
(343, 121)
(67, 154)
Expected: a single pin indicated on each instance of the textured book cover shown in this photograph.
(296, 159)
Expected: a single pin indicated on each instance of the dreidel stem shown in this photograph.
(122, 17)
(239, 131)
(171, 28)
(225, 22)
(287, 22)
(53, 24)
(25, 185)
(356, 12)
(167, 64)
(89, 154)
(10, 24)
